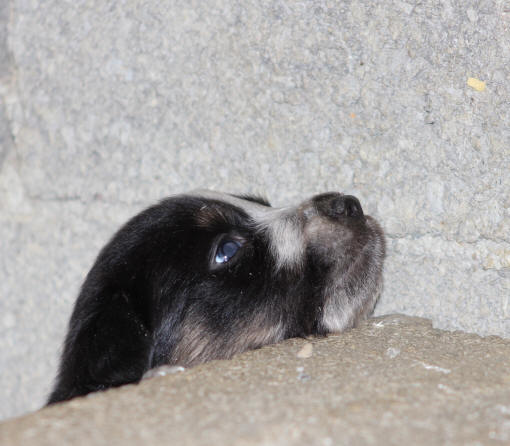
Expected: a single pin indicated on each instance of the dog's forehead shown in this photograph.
(277, 219)
(252, 208)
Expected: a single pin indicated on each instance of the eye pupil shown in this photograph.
(226, 250)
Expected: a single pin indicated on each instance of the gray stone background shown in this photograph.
(107, 106)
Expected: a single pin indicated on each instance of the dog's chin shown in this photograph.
(354, 278)
(206, 275)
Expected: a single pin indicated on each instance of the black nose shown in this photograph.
(336, 205)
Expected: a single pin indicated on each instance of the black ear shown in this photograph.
(110, 337)
(107, 345)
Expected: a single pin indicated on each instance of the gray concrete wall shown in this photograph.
(107, 106)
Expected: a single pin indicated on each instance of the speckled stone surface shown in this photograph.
(107, 106)
(393, 381)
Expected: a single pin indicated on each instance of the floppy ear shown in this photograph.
(107, 345)
(110, 342)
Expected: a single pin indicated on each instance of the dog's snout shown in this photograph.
(337, 205)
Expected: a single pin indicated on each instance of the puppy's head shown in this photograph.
(207, 275)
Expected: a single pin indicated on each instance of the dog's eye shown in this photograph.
(226, 250)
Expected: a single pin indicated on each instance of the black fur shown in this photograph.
(156, 296)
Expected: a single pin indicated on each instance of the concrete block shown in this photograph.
(395, 380)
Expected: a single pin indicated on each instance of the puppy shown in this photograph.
(207, 275)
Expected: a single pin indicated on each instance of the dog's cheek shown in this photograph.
(206, 336)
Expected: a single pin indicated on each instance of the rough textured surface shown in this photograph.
(395, 380)
(107, 106)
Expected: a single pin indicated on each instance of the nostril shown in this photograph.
(336, 205)
(352, 206)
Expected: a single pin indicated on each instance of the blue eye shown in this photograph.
(226, 250)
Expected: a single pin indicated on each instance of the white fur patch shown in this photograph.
(285, 235)
(336, 316)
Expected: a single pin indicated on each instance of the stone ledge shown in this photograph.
(394, 380)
